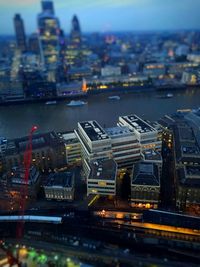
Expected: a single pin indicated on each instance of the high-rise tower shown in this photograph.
(20, 32)
(47, 5)
(49, 32)
(75, 31)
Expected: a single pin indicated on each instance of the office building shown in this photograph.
(33, 43)
(125, 146)
(191, 77)
(48, 151)
(147, 135)
(20, 32)
(102, 177)
(47, 6)
(60, 186)
(72, 148)
(184, 126)
(145, 185)
(75, 34)
(95, 143)
(49, 31)
(110, 71)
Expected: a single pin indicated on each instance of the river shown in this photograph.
(16, 120)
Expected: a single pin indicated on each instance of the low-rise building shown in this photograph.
(186, 135)
(153, 156)
(73, 148)
(15, 181)
(145, 185)
(48, 151)
(190, 77)
(110, 71)
(60, 186)
(188, 186)
(102, 177)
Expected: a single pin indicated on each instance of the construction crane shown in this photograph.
(24, 187)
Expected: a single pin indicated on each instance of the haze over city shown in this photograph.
(107, 16)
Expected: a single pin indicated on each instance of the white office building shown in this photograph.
(102, 177)
(125, 146)
(72, 148)
(147, 135)
(95, 143)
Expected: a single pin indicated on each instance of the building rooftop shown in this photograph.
(17, 176)
(69, 137)
(146, 174)
(60, 180)
(103, 170)
(189, 176)
(138, 124)
(152, 155)
(119, 131)
(38, 141)
(93, 130)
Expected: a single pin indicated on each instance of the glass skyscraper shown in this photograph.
(20, 32)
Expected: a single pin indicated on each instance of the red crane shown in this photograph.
(24, 188)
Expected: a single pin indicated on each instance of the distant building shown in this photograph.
(47, 6)
(102, 177)
(11, 90)
(33, 43)
(75, 34)
(49, 31)
(154, 70)
(73, 148)
(177, 68)
(191, 77)
(110, 71)
(194, 57)
(60, 186)
(3, 145)
(182, 50)
(145, 185)
(20, 32)
(79, 73)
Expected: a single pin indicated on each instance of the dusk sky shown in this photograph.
(107, 15)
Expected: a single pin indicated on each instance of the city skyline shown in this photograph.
(105, 16)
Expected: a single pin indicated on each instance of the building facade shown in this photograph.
(95, 143)
(20, 32)
(60, 186)
(48, 152)
(145, 185)
(147, 136)
(72, 148)
(125, 146)
(102, 177)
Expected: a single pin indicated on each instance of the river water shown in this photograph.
(16, 120)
